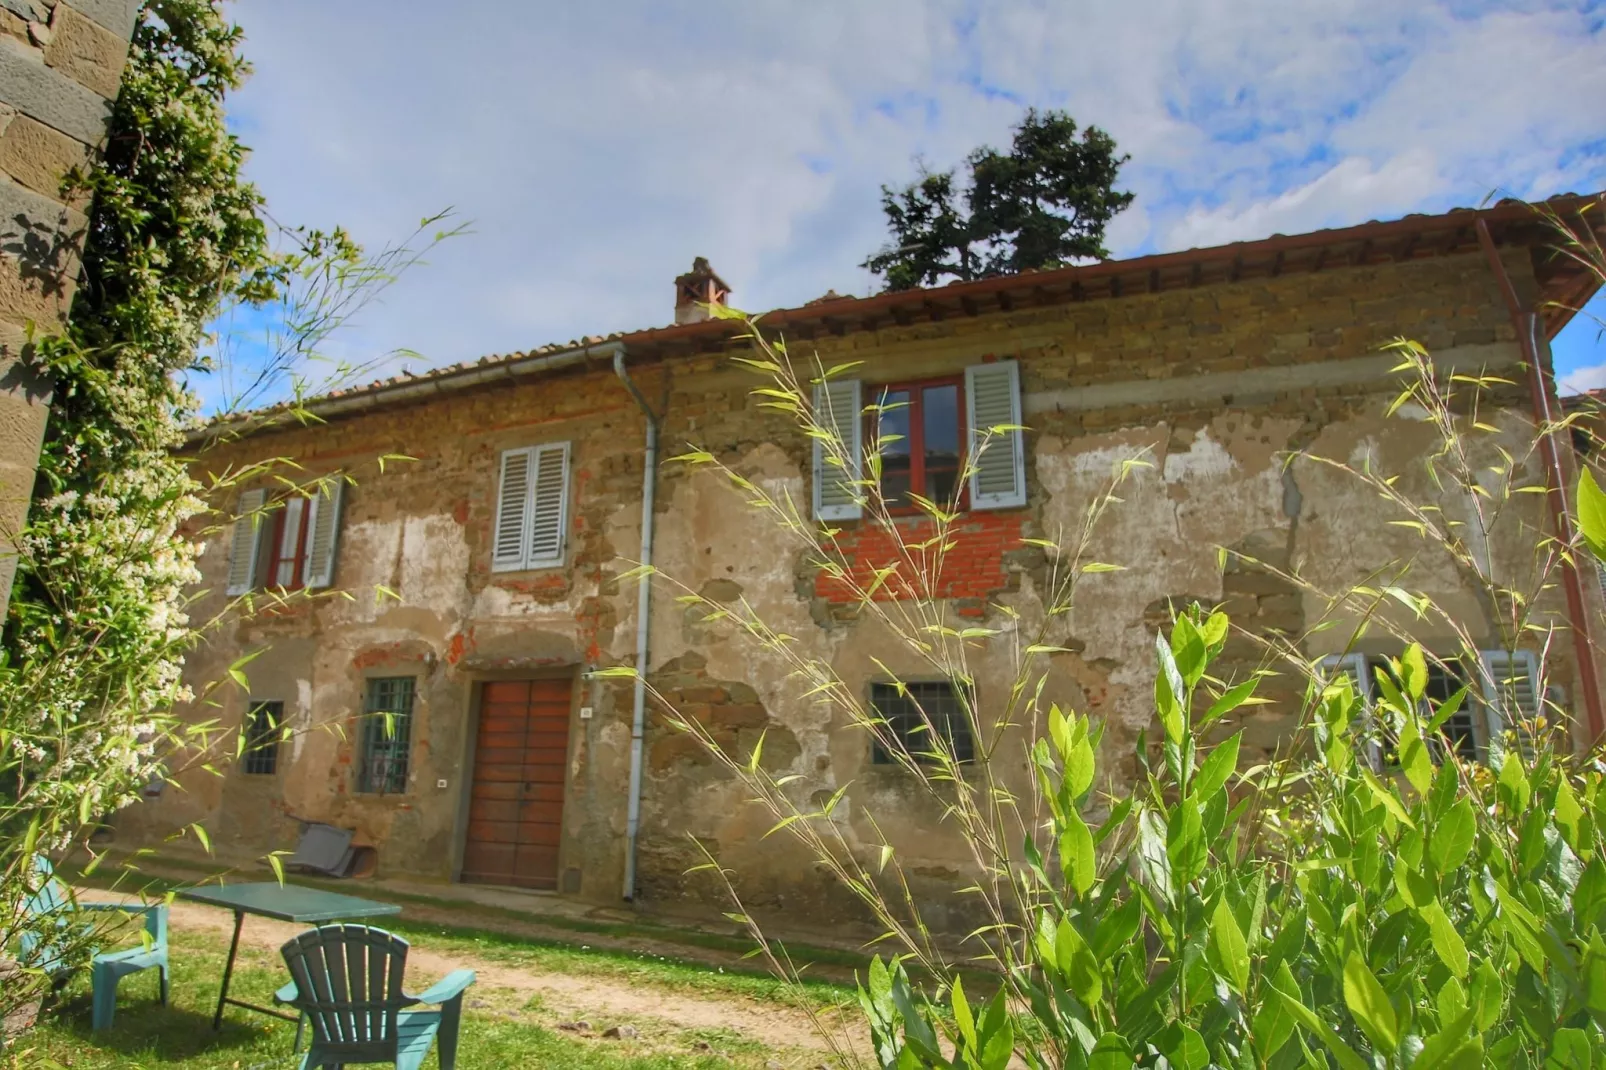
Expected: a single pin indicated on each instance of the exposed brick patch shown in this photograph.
(972, 571)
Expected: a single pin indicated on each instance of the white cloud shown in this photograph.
(599, 147)
(1343, 194)
(1583, 380)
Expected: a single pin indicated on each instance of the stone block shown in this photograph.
(27, 10)
(115, 15)
(29, 298)
(39, 157)
(51, 96)
(13, 26)
(92, 54)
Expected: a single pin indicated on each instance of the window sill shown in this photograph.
(538, 566)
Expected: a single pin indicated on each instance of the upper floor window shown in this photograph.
(927, 430)
(261, 753)
(532, 508)
(289, 543)
(1504, 696)
(913, 711)
(921, 432)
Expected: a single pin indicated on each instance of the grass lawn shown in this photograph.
(502, 1028)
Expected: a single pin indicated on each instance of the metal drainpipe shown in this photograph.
(1530, 338)
(643, 616)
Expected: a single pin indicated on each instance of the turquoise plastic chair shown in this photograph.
(346, 980)
(49, 929)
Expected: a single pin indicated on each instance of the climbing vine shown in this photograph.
(92, 654)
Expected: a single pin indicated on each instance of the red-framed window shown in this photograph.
(921, 430)
(287, 545)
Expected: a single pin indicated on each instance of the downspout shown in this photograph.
(638, 713)
(1530, 337)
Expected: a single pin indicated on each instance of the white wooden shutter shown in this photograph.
(839, 408)
(998, 476)
(1354, 667)
(289, 536)
(549, 506)
(509, 537)
(1514, 675)
(245, 542)
(323, 534)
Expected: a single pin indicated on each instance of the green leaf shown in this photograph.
(1515, 790)
(1189, 1052)
(1415, 889)
(1228, 950)
(1386, 796)
(1592, 514)
(1231, 700)
(1369, 1004)
(1570, 1049)
(1347, 1059)
(962, 1017)
(1488, 995)
(997, 1034)
(1214, 771)
(1079, 764)
(1452, 837)
(1185, 847)
(1168, 692)
(1110, 1053)
(1076, 853)
(1414, 672)
(1273, 1024)
(1447, 1048)
(1414, 759)
(1189, 649)
(1446, 941)
(1568, 814)
(1214, 631)
(1077, 964)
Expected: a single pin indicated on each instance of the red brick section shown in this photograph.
(972, 569)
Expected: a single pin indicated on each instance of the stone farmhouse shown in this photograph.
(467, 742)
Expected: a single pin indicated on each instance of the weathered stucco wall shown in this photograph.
(1212, 386)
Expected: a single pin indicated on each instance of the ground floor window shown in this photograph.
(1511, 703)
(261, 754)
(387, 732)
(913, 710)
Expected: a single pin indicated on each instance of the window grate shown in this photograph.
(262, 721)
(386, 736)
(902, 710)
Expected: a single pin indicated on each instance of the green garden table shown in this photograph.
(283, 902)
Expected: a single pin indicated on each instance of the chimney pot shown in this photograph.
(697, 289)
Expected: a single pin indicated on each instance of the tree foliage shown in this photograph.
(1043, 204)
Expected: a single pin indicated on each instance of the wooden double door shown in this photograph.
(515, 813)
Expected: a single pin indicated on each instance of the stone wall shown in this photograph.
(60, 64)
(1212, 387)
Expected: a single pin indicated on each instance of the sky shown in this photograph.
(594, 149)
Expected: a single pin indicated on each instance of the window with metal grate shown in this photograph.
(386, 736)
(261, 754)
(913, 710)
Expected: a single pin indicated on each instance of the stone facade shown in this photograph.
(1214, 384)
(60, 65)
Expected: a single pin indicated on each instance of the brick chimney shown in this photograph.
(698, 287)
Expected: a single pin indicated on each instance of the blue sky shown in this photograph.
(597, 148)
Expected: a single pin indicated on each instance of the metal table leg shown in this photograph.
(228, 970)
(228, 974)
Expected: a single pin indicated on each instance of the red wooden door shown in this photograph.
(515, 808)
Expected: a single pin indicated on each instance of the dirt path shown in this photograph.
(552, 998)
